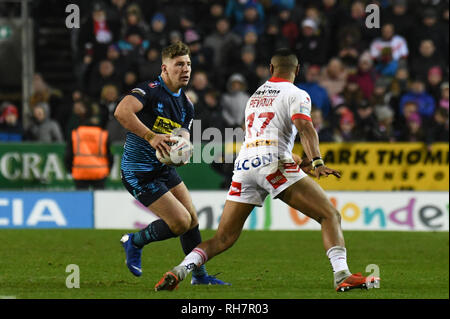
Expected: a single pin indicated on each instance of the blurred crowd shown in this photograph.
(366, 84)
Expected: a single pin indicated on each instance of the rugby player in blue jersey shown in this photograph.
(150, 113)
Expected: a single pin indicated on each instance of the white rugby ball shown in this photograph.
(180, 152)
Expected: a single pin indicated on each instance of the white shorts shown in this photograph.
(252, 183)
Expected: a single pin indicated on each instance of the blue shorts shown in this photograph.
(147, 187)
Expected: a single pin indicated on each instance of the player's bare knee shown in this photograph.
(180, 224)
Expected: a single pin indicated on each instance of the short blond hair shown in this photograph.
(175, 49)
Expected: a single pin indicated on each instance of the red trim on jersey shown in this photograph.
(300, 116)
(275, 79)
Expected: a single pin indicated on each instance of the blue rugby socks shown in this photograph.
(156, 231)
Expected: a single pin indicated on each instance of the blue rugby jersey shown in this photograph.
(163, 112)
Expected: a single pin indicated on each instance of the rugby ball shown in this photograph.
(180, 152)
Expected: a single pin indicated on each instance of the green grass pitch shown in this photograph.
(262, 264)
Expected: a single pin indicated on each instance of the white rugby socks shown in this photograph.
(195, 258)
(338, 258)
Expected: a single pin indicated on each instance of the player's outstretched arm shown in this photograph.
(310, 143)
(126, 115)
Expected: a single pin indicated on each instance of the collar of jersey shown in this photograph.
(275, 79)
(167, 89)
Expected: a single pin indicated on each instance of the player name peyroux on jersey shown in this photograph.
(263, 98)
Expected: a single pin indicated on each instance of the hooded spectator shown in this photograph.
(42, 128)
(10, 126)
(366, 123)
(385, 118)
(234, 101)
(159, 35)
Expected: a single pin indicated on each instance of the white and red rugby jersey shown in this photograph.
(269, 116)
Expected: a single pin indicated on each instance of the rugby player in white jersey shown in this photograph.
(265, 165)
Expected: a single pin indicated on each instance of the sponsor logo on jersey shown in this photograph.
(291, 167)
(153, 84)
(255, 162)
(235, 189)
(139, 91)
(261, 143)
(276, 179)
(164, 125)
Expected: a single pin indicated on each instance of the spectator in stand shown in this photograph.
(349, 44)
(134, 46)
(366, 123)
(216, 12)
(222, 42)
(159, 35)
(434, 81)
(42, 128)
(263, 73)
(346, 130)
(400, 17)
(357, 20)
(366, 75)
(201, 56)
(234, 101)
(120, 63)
(414, 131)
(319, 96)
(430, 28)
(42, 92)
(352, 94)
(323, 131)
(427, 58)
(334, 79)
(390, 46)
(385, 118)
(275, 38)
(150, 67)
(200, 85)
(400, 120)
(133, 19)
(10, 127)
(117, 10)
(235, 10)
(443, 101)
(211, 111)
(81, 112)
(438, 130)
(424, 101)
(284, 27)
(130, 80)
(335, 16)
(251, 18)
(102, 75)
(247, 67)
(108, 101)
(381, 95)
(399, 85)
(98, 32)
(386, 66)
(310, 48)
